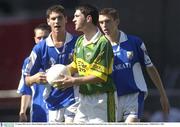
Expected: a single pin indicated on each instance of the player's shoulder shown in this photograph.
(80, 37)
(42, 43)
(73, 39)
(41, 46)
(135, 39)
(104, 41)
(103, 38)
(25, 62)
(26, 59)
(79, 40)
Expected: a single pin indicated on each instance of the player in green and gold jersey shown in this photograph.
(93, 60)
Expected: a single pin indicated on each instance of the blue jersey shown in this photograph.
(44, 55)
(130, 55)
(38, 112)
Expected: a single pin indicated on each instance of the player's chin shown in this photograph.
(77, 29)
(106, 32)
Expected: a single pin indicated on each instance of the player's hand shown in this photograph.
(65, 82)
(22, 117)
(40, 77)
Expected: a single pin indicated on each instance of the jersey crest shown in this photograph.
(130, 55)
(52, 61)
(88, 55)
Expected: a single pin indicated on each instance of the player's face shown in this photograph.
(79, 20)
(57, 22)
(40, 34)
(108, 24)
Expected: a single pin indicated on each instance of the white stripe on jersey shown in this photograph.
(138, 77)
(21, 83)
(29, 66)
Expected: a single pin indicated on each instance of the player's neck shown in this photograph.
(89, 32)
(59, 39)
(114, 37)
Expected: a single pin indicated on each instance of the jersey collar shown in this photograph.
(94, 38)
(50, 43)
(123, 37)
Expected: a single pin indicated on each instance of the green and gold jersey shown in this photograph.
(95, 58)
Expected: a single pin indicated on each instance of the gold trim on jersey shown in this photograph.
(98, 74)
(85, 68)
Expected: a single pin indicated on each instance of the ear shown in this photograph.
(48, 22)
(89, 18)
(117, 21)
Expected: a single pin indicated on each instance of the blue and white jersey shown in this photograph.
(44, 55)
(129, 55)
(38, 112)
(23, 88)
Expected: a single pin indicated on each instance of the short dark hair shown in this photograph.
(43, 26)
(55, 8)
(111, 12)
(88, 9)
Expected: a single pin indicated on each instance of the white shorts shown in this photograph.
(56, 115)
(130, 105)
(70, 112)
(72, 109)
(96, 108)
(66, 114)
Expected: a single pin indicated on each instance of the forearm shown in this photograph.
(155, 77)
(39, 77)
(29, 80)
(87, 79)
(70, 81)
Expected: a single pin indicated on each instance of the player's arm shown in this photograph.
(31, 73)
(39, 77)
(87, 79)
(155, 77)
(69, 81)
(25, 100)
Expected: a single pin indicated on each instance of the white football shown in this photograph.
(55, 72)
